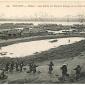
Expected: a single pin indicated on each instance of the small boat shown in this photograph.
(36, 52)
(11, 53)
(54, 41)
(3, 53)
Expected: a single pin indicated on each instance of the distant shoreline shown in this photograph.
(43, 19)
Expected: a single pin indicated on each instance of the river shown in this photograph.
(42, 22)
(29, 48)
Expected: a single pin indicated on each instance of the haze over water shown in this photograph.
(43, 22)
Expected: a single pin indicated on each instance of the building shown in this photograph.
(34, 31)
(10, 33)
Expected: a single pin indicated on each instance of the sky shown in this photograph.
(41, 8)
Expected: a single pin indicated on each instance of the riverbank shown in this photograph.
(27, 39)
(72, 54)
(63, 51)
(33, 38)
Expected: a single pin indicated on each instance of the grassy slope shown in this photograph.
(61, 52)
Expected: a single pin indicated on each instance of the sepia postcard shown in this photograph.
(42, 42)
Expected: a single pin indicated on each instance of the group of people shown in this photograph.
(65, 70)
(9, 67)
(32, 67)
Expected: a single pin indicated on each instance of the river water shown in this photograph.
(29, 48)
(43, 22)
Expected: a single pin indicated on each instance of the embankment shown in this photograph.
(64, 51)
(33, 38)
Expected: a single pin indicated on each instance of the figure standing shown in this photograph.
(64, 71)
(11, 66)
(30, 67)
(78, 71)
(16, 66)
(69, 40)
(7, 66)
(51, 67)
(34, 68)
(21, 66)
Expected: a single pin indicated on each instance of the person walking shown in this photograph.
(51, 67)
(78, 71)
(64, 71)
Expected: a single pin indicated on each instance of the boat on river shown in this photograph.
(3, 53)
(54, 41)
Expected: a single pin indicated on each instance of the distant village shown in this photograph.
(16, 30)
